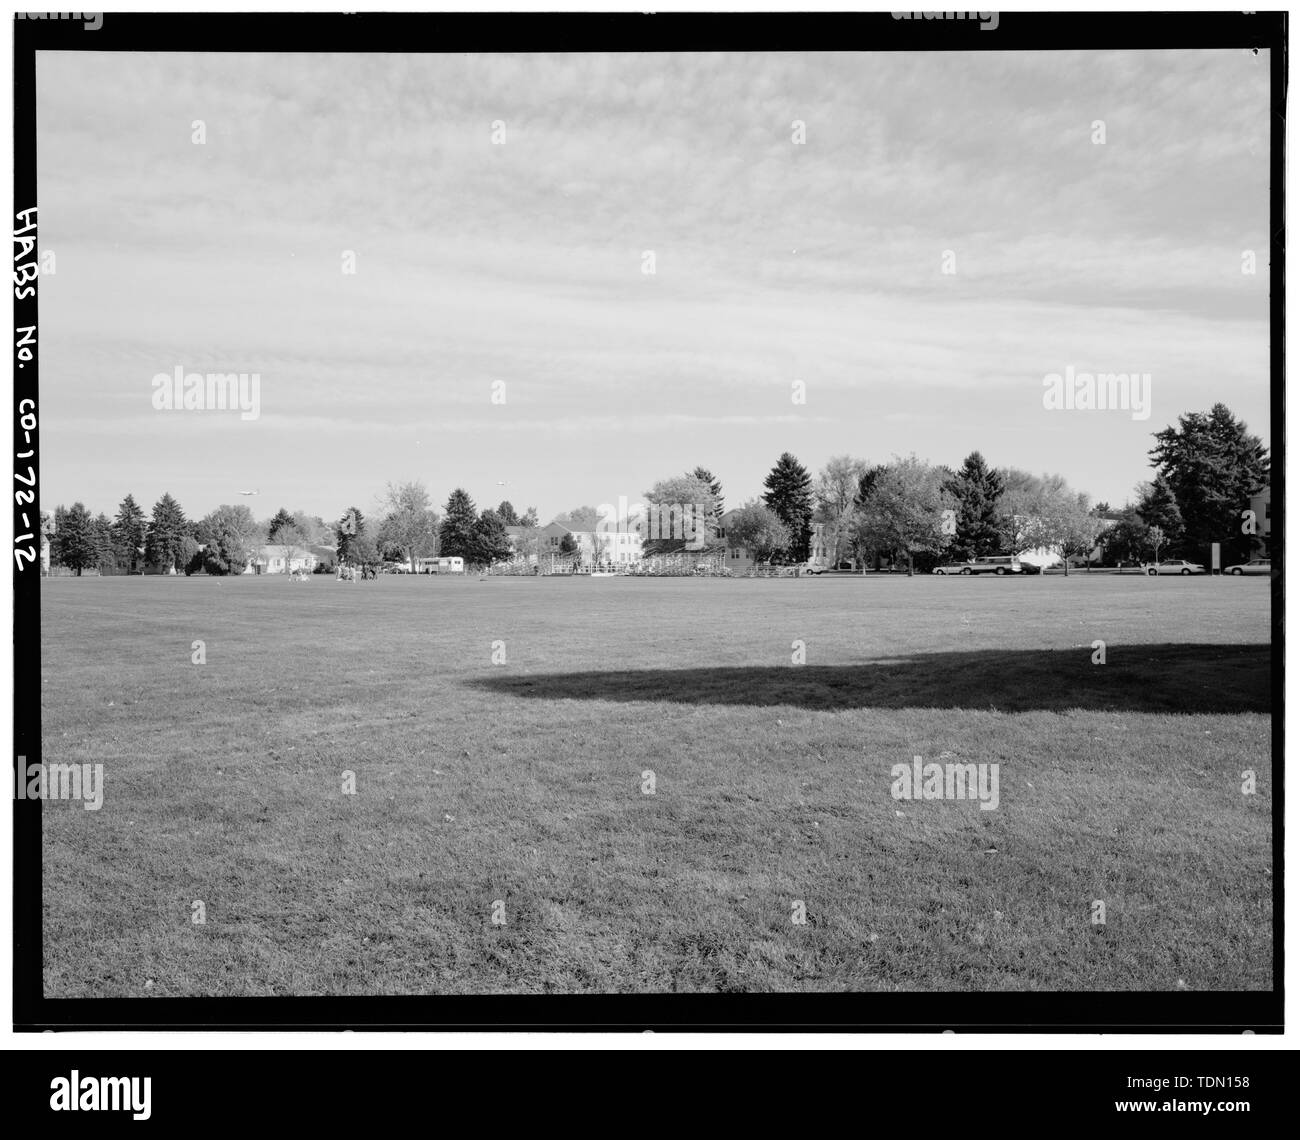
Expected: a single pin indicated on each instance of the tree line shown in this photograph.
(909, 510)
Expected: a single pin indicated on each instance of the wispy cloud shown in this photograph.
(521, 264)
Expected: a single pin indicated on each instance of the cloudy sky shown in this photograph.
(523, 263)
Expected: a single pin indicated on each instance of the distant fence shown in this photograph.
(516, 569)
(680, 564)
(102, 572)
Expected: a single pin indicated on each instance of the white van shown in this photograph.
(996, 564)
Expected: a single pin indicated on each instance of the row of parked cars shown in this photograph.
(1000, 564)
(1182, 566)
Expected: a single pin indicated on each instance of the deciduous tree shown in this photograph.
(230, 534)
(409, 524)
(759, 530)
(836, 495)
(681, 514)
(903, 512)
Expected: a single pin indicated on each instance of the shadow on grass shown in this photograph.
(1135, 678)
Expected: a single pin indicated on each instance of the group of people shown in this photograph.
(352, 573)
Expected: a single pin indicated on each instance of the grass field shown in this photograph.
(523, 782)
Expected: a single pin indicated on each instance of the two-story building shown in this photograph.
(609, 547)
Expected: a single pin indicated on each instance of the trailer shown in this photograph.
(440, 566)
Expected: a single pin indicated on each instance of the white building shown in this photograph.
(613, 547)
(272, 560)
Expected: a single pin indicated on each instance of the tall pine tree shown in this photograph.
(704, 475)
(164, 545)
(506, 513)
(75, 545)
(491, 544)
(129, 533)
(282, 518)
(977, 488)
(101, 530)
(789, 495)
(458, 533)
(351, 528)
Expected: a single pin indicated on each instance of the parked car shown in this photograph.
(1174, 566)
(952, 568)
(812, 566)
(1254, 566)
(996, 564)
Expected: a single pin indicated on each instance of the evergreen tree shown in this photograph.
(281, 520)
(868, 480)
(789, 495)
(164, 544)
(491, 543)
(129, 533)
(351, 527)
(978, 489)
(704, 475)
(74, 544)
(506, 512)
(1158, 509)
(101, 529)
(458, 534)
(1212, 465)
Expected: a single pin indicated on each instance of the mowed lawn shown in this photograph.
(517, 791)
